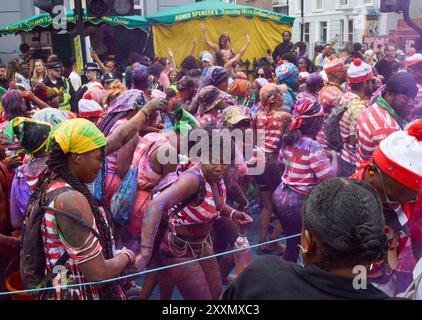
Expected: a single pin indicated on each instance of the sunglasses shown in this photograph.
(388, 200)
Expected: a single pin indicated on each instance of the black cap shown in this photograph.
(108, 77)
(92, 66)
(53, 65)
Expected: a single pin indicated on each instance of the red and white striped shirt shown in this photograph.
(306, 165)
(273, 125)
(55, 246)
(206, 211)
(374, 125)
(348, 125)
(329, 97)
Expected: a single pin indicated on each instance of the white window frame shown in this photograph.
(316, 9)
(342, 6)
(320, 32)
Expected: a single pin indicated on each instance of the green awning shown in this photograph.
(45, 20)
(214, 8)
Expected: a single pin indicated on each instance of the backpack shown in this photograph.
(332, 129)
(123, 199)
(32, 256)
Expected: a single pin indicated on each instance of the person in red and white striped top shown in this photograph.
(360, 82)
(306, 164)
(201, 193)
(331, 93)
(387, 114)
(272, 123)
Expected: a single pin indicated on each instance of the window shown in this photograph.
(323, 31)
(281, 10)
(319, 4)
(307, 33)
(341, 31)
(351, 31)
(343, 3)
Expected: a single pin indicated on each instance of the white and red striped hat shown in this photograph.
(89, 108)
(359, 71)
(399, 156)
(414, 59)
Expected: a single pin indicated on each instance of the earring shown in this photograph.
(302, 250)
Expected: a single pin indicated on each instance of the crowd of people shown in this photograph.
(83, 184)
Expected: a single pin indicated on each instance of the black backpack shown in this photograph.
(32, 256)
(332, 129)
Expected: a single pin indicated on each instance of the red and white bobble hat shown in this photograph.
(414, 59)
(359, 71)
(89, 108)
(303, 76)
(399, 156)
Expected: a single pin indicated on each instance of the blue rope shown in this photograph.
(146, 271)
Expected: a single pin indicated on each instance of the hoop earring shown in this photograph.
(303, 251)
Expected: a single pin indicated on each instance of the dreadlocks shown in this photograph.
(57, 168)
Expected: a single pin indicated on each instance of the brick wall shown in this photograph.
(263, 4)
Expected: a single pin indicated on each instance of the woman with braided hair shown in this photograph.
(305, 165)
(76, 151)
(343, 228)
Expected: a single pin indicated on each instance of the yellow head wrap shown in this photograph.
(77, 136)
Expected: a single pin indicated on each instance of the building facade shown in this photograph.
(351, 21)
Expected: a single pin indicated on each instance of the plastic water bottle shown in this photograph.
(242, 258)
(167, 123)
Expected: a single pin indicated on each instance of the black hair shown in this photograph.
(302, 47)
(57, 168)
(190, 63)
(318, 48)
(194, 73)
(162, 62)
(327, 45)
(346, 216)
(309, 126)
(357, 46)
(72, 60)
(24, 47)
(155, 70)
(290, 34)
(134, 57)
(290, 57)
(267, 72)
(356, 86)
(170, 93)
(2, 66)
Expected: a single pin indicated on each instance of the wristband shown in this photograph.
(231, 214)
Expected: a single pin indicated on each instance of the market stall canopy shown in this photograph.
(45, 20)
(178, 27)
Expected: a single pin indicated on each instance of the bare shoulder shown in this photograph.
(74, 203)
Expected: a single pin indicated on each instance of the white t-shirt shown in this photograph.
(321, 61)
(75, 80)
